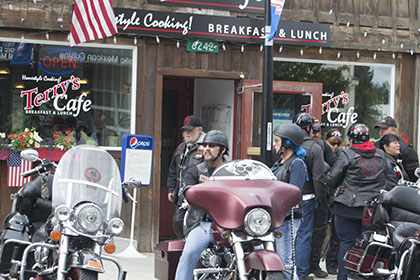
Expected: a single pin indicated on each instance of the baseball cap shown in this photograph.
(386, 122)
(191, 122)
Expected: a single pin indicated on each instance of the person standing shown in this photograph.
(357, 176)
(409, 157)
(186, 155)
(314, 194)
(197, 230)
(289, 168)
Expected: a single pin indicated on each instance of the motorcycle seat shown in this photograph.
(403, 231)
(402, 197)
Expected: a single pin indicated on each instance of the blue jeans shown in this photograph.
(284, 244)
(303, 242)
(197, 241)
(348, 230)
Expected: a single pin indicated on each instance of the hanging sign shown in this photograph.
(136, 158)
(197, 45)
(249, 6)
(247, 30)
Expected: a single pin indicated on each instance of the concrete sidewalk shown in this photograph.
(139, 268)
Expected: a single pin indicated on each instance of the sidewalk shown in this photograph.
(142, 267)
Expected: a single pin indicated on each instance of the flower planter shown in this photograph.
(53, 154)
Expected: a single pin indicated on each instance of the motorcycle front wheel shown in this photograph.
(85, 274)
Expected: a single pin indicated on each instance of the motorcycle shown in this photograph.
(392, 249)
(86, 203)
(247, 204)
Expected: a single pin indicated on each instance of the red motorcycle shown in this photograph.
(247, 204)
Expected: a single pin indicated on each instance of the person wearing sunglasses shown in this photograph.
(334, 140)
(197, 222)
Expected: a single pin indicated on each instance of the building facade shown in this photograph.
(343, 61)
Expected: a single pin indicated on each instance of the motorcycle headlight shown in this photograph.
(257, 222)
(116, 226)
(62, 213)
(89, 217)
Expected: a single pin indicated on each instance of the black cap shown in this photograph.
(191, 122)
(386, 122)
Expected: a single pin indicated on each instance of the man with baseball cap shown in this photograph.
(409, 157)
(186, 155)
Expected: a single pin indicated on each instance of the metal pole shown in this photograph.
(267, 94)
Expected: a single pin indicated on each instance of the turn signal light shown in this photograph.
(278, 234)
(109, 248)
(55, 235)
(225, 234)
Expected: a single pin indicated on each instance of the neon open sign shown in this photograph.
(60, 62)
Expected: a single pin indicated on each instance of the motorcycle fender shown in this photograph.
(264, 260)
(87, 260)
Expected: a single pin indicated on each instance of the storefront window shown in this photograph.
(351, 92)
(86, 90)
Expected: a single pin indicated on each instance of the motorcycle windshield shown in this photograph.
(88, 174)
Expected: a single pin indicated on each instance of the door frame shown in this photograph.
(249, 87)
(157, 132)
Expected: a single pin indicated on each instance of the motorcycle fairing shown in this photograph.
(227, 201)
(264, 260)
(87, 260)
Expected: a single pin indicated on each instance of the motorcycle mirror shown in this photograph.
(29, 155)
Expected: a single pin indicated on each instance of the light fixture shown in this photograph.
(348, 23)
(320, 50)
(401, 45)
(34, 1)
(22, 37)
(19, 86)
(135, 40)
(68, 37)
(358, 54)
(242, 48)
(60, 16)
(178, 44)
(374, 55)
(301, 51)
(280, 48)
(383, 41)
(393, 55)
(10, 6)
(223, 47)
(338, 54)
(261, 47)
(85, 91)
(4, 71)
(365, 33)
(331, 11)
(83, 81)
(411, 51)
(157, 40)
(47, 36)
(115, 39)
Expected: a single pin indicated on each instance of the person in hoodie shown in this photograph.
(357, 176)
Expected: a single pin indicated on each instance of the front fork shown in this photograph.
(62, 258)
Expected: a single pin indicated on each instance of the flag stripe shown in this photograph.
(92, 19)
(13, 174)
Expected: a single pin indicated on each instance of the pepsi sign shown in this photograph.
(136, 158)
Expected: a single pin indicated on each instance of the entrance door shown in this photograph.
(177, 102)
(289, 98)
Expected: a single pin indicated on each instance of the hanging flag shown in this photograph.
(23, 54)
(16, 166)
(276, 9)
(92, 19)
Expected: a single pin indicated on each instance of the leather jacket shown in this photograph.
(357, 176)
(181, 161)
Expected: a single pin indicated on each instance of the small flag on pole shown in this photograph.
(276, 9)
(92, 19)
(16, 166)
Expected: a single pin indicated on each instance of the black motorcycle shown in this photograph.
(392, 249)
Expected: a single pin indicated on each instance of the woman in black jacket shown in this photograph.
(390, 144)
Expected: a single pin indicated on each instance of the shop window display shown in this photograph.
(53, 88)
(351, 92)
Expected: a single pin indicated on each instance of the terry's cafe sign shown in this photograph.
(250, 6)
(248, 30)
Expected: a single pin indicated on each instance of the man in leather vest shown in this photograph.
(357, 177)
(197, 228)
(186, 155)
(409, 157)
(314, 194)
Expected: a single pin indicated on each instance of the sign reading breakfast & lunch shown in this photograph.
(246, 30)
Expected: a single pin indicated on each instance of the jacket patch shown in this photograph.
(203, 178)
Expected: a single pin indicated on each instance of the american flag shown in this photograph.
(16, 166)
(92, 19)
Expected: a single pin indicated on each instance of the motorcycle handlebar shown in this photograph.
(43, 167)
